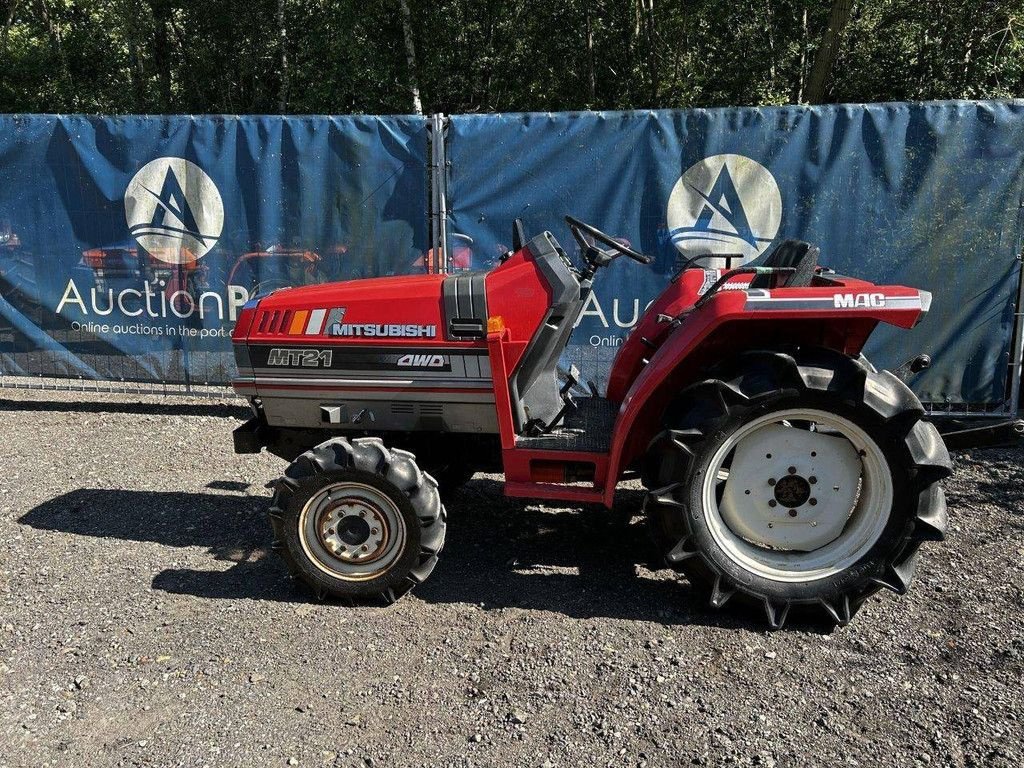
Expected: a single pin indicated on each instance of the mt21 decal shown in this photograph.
(306, 358)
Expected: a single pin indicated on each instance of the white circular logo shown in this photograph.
(174, 210)
(725, 204)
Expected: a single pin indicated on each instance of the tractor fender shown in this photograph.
(733, 322)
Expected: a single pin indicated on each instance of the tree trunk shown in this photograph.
(282, 37)
(826, 58)
(55, 40)
(967, 59)
(7, 25)
(652, 52)
(591, 80)
(803, 62)
(410, 57)
(162, 54)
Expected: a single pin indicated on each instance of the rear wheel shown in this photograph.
(354, 519)
(802, 479)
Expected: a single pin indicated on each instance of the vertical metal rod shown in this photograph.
(432, 189)
(439, 191)
(1017, 353)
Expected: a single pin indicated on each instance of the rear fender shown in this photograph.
(736, 321)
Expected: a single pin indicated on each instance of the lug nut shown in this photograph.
(792, 470)
(772, 502)
(812, 501)
(792, 513)
(771, 481)
(812, 479)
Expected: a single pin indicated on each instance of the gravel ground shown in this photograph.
(142, 622)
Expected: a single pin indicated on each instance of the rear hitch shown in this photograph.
(913, 365)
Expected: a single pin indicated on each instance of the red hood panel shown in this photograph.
(382, 310)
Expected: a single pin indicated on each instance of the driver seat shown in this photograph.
(798, 254)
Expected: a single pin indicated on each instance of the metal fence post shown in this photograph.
(438, 213)
(1017, 350)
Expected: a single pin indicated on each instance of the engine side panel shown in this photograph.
(368, 355)
(347, 387)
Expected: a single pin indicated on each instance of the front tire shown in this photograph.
(804, 479)
(355, 520)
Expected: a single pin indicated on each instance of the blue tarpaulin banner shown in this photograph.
(128, 244)
(925, 195)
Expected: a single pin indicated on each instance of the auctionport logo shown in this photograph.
(174, 210)
(724, 204)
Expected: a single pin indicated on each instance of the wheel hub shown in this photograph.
(792, 491)
(790, 488)
(352, 531)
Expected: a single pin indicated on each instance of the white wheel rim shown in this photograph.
(824, 536)
(352, 531)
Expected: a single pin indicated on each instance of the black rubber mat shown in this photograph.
(588, 428)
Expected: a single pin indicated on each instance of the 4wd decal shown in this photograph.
(422, 361)
(304, 358)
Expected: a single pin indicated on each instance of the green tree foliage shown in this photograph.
(350, 56)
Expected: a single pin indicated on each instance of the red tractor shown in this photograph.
(783, 470)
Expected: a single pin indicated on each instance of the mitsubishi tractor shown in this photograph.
(783, 471)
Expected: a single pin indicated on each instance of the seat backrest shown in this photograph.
(800, 255)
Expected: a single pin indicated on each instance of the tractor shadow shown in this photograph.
(582, 562)
(129, 407)
(232, 528)
(500, 552)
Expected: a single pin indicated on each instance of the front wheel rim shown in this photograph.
(782, 504)
(352, 531)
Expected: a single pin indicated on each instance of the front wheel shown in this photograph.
(354, 519)
(804, 479)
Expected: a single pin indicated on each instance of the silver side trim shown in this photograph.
(312, 382)
(766, 302)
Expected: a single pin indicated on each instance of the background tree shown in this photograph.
(342, 56)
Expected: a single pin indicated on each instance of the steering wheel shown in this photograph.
(578, 228)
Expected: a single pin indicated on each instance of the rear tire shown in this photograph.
(353, 519)
(708, 504)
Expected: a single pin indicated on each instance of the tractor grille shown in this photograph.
(273, 321)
